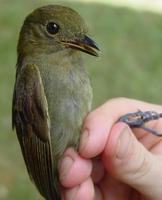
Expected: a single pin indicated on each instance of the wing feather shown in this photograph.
(31, 120)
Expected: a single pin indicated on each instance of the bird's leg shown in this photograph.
(139, 118)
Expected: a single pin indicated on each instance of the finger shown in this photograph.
(157, 149)
(73, 169)
(95, 133)
(128, 161)
(83, 191)
(99, 122)
(150, 141)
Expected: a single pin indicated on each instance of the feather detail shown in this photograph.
(31, 119)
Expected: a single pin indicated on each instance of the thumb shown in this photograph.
(127, 160)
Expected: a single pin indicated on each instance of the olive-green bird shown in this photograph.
(52, 93)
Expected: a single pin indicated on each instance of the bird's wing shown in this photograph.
(31, 120)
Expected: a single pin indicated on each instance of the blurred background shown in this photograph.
(129, 34)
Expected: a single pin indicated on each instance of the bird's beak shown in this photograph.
(86, 45)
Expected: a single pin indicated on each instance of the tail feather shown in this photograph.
(39, 163)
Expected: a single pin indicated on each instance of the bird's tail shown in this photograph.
(40, 166)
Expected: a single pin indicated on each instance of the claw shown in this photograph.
(139, 118)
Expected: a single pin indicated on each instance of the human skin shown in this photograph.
(114, 162)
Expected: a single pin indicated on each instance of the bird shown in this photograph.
(52, 91)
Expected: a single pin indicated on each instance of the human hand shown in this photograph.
(114, 162)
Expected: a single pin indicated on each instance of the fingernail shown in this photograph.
(123, 144)
(83, 140)
(65, 165)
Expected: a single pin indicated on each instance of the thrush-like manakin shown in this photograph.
(52, 92)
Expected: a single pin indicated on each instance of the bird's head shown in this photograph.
(53, 28)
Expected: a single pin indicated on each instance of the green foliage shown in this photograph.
(129, 65)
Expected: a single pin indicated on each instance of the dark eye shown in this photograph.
(52, 28)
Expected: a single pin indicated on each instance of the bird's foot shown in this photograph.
(139, 118)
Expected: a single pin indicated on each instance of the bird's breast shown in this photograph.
(69, 95)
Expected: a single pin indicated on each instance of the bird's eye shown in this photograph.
(52, 28)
